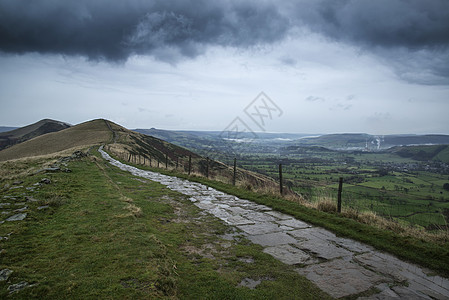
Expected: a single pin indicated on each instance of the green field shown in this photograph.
(395, 187)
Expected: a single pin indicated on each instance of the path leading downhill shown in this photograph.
(341, 267)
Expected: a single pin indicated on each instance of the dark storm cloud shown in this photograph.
(414, 24)
(412, 36)
(114, 30)
(409, 33)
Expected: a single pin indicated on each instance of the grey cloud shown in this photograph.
(414, 24)
(114, 30)
(289, 61)
(315, 99)
(412, 35)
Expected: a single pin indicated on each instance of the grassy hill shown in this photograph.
(85, 134)
(424, 153)
(18, 135)
(130, 146)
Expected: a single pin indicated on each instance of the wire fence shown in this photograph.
(391, 204)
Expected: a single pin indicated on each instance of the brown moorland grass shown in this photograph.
(84, 134)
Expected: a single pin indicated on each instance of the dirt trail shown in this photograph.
(341, 267)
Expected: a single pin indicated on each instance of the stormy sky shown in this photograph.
(325, 66)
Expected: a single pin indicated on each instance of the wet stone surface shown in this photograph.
(339, 266)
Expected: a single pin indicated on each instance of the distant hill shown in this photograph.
(225, 144)
(362, 141)
(19, 135)
(7, 128)
(423, 153)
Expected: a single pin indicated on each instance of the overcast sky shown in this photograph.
(326, 66)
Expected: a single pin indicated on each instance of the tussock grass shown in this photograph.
(328, 205)
(134, 210)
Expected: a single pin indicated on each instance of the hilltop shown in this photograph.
(85, 134)
(19, 135)
(128, 145)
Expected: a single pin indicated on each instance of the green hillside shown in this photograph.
(424, 153)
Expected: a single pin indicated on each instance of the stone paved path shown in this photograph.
(341, 267)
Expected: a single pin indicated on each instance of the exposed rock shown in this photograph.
(4, 274)
(45, 181)
(52, 169)
(16, 187)
(78, 154)
(17, 182)
(13, 288)
(250, 283)
(49, 169)
(43, 207)
(30, 199)
(21, 209)
(18, 217)
(4, 204)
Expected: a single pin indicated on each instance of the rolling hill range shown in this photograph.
(271, 142)
(362, 141)
(128, 145)
(7, 128)
(18, 135)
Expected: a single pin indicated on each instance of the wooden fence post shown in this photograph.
(340, 187)
(235, 171)
(190, 163)
(177, 162)
(280, 180)
(207, 167)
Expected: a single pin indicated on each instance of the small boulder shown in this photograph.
(21, 209)
(78, 154)
(45, 181)
(13, 288)
(17, 217)
(30, 199)
(4, 274)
